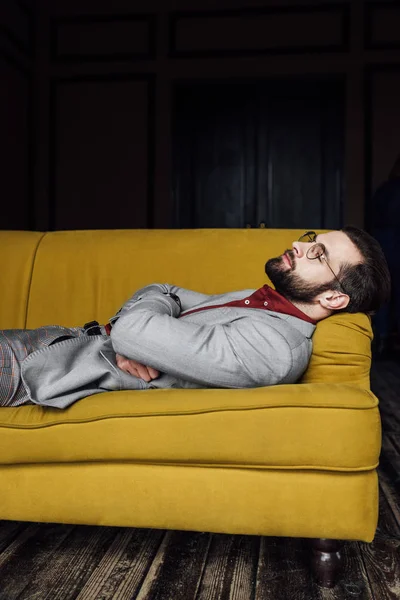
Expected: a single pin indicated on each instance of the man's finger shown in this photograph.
(143, 372)
(126, 365)
(135, 368)
(121, 361)
(153, 372)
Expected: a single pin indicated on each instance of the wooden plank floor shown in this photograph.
(67, 562)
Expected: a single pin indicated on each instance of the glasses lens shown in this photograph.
(308, 237)
(316, 251)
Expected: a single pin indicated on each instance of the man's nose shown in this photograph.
(299, 249)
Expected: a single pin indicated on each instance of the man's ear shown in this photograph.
(334, 300)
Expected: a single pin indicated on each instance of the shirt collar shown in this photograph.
(267, 297)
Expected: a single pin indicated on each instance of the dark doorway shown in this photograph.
(265, 153)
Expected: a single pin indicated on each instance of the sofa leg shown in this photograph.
(326, 561)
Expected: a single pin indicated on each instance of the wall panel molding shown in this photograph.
(16, 26)
(253, 31)
(114, 78)
(102, 38)
(382, 26)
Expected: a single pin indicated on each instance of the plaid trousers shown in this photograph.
(15, 345)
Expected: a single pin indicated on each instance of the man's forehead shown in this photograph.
(332, 237)
(339, 244)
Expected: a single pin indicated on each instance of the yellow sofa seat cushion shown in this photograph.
(341, 351)
(309, 426)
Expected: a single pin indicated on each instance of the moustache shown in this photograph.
(291, 255)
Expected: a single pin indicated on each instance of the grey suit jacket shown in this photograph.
(229, 347)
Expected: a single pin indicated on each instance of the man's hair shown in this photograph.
(367, 283)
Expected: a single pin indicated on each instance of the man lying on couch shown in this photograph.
(166, 336)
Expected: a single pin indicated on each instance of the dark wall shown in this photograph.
(100, 152)
(104, 75)
(16, 112)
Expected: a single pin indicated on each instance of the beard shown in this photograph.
(289, 284)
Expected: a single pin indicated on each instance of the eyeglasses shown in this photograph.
(318, 250)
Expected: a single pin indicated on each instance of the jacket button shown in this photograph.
(265, 303)
(247, 301)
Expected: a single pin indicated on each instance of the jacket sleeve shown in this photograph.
(188, 298)
(243, 353)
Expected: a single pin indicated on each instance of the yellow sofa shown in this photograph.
(292, 460)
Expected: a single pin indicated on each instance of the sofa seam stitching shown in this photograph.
(31, 277)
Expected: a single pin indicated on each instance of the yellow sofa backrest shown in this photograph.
(71, 277)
